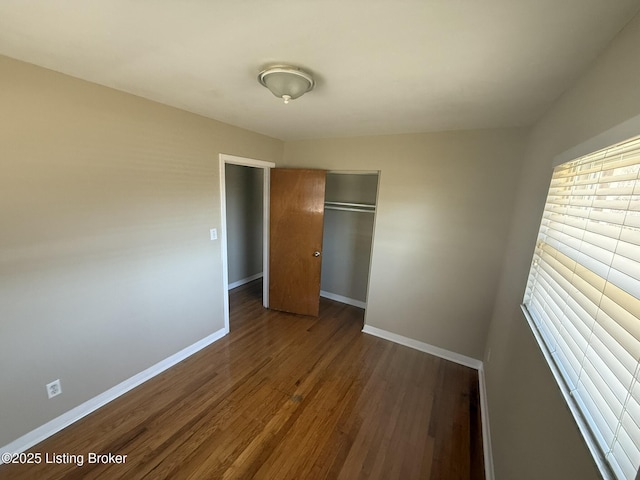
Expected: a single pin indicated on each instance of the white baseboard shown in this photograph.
(54, 426)
(57, 424)
(424, 347)
(239, 283)
(341, 299)
(456, 358)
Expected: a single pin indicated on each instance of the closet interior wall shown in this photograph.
(350, 202)
(244, 223)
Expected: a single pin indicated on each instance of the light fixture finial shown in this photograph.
(286, 82)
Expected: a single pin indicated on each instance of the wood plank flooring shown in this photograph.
(284, 397)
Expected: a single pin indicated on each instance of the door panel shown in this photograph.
(295, 235)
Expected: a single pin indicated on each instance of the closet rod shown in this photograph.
(349, 209)
(369, 206)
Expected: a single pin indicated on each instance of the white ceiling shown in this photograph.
(382, 66)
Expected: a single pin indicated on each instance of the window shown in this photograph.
(583, 297)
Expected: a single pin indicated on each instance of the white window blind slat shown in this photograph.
(572, 366)
(580, 320)
(604, 242)
(614, 402)
(601, 428)
(628, 250)
(633, 406)
(583, 294)
(630, 235)
(625, 436)
(622, 463)
(607, 230)
(599, 361)
(601, 334)
(544, 325)
(633, 219)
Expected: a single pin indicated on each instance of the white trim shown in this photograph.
(373, 241)
(223, 242)
(54, 426)
(266, 205)
(341, 299)
(487, 450)
(621, 132)
(459, 359)
(266, 166)
(246, 162)
(244, 281)
(424, 347)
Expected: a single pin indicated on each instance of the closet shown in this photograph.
(349, 215)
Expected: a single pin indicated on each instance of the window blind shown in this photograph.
(583, 295)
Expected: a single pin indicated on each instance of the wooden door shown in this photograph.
(295, 239)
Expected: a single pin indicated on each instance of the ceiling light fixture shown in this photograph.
(286, 82)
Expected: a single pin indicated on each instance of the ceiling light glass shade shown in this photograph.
(286, 82)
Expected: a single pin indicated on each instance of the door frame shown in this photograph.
(225, 159)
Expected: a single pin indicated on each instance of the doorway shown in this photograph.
(260, 167)
(350, 210)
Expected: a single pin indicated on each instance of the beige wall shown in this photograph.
(533, 433)
(106, 266)
(444, 205)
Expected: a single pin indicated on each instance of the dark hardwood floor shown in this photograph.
(284, 397)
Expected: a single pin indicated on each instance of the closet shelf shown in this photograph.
(350, 207)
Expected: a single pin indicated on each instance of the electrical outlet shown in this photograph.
(54, 388)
